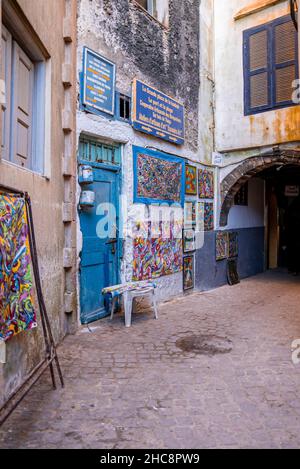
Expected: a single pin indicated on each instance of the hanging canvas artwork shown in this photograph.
(188, 272)
(17, 311)
(190, 180)
(154, 257)
(221, 245)
(189, 240)
(190, 215)
(206, 184)
(208, 216)
(158, 178)
(233, 244)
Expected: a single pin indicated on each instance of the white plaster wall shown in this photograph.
(253, 215)
(234, 131)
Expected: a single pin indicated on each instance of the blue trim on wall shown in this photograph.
(270, 69)
(161, 156)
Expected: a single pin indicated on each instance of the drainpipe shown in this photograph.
(294, 12)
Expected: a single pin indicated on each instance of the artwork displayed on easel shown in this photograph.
(188, 272)
(206, 184)
(189, 240)
(233, 242)
(232, 272)
(222, 245)
(17, 312)
(208, 216)
(190, 180)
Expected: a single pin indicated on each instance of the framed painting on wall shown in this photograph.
(189, 240)
(233, 241)
(206, 184)
(222, 247)
(188, 272)
(190, 180)
(208, 216)
(190, 215)
(158, 177)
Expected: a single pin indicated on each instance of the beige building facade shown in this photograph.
(38, 99)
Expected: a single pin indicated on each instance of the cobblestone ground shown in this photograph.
(134, 388)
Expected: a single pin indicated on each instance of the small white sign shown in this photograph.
(292, 191)
(217, 159)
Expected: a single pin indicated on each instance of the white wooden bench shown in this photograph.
(131, 291)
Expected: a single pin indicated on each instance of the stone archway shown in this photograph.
(246, 170)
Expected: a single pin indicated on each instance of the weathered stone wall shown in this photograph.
(141, 47)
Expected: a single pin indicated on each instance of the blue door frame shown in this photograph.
(99, 267)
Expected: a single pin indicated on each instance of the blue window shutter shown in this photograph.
(270, 65)
(257, 69)
(285, 60)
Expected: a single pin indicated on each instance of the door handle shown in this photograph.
(112, 241)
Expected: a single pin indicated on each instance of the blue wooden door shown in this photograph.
(100, 250)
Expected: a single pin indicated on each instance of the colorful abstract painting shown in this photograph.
(208, 216)
(158, 179)
(188, 272)
(206, 184)
(17, 311)
(189, 240)
(142, 259)
(157, 256)
(221, 245)
(190, 180)
(233, 241)
(190, 215)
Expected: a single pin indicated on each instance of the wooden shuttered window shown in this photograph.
(6, 52)
(270, 65)
(22, 104)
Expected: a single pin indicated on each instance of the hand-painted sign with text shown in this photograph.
(157, 114)
(98, 82)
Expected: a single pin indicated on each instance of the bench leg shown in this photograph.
(113, 305)
(155, 305)
(128, 309)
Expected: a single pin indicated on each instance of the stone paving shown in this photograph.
(135, 388)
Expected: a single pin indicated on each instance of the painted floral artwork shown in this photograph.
(190, 180)
(206, 184)
(188, 272)
(221, 245)
(156, 257)
(233, 244)
(17, 311)
(208, 216)
(158, 179)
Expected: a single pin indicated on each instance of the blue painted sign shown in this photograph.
(98, 82)
(157, 114)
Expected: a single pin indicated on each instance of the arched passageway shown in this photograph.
(249, 169)
(279, 175)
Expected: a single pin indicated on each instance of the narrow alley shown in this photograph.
(145, 387)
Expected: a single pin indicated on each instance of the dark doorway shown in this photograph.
(283, 205)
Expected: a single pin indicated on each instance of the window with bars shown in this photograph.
(123, 109)
(241, 197)
(159, 9)
(270, 65)
(94, 151)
